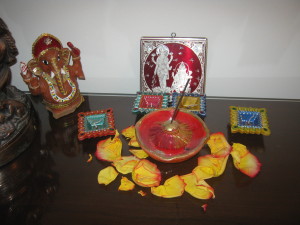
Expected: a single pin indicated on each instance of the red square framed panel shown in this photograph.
(168, 62)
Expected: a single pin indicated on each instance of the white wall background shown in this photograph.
(253, 46)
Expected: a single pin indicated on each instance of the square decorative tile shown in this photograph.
(168, 62)
(96, 124)
(146, 102)
(194, 103)
(248, 120)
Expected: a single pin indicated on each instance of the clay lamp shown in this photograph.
(171, 135)
(171, 141)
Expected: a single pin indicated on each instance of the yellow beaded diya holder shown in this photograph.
(248, 120)
(96, 124)
(194, 103)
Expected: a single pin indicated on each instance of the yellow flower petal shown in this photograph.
(129, 132)
(134, 143)
(238, 152)
(141, 154)
(214, 166)
(90, 158)
(126, 185)
(218, 145)
(142, 193)
(109, 149)
(125, 164)
(107, 175)
(197, 188)
(245, 161)
(173, 187)
(203, 172)
(146, 174)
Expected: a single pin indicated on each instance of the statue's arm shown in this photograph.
(153, 60)
(32, 82)
(76, 68)
(171, 58)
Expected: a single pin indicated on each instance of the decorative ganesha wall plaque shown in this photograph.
(51, 75)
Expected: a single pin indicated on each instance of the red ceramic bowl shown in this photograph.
(171, 142)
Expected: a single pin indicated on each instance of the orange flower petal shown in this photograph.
(126, 185)
(218, 145)
(214, 166)
(125, 164)
(197, 188)
(146, 174)
(109, 149)
(173, 187)
(107, 175)
(245, 161)
(141, 154)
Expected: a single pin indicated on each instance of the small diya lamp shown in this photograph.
(146, 102)
(194, 103)
(248, 120)
(96, 124)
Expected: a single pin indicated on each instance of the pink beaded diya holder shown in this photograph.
(146, 102)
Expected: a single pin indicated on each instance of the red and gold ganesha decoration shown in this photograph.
(51, 75)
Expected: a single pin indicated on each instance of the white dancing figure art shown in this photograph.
(162, 65)
(180, 78)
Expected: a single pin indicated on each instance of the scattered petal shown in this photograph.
(146, 174)
(212, 166)
(129, 132)
(245, 161)
(204, 206)
(142, 193)
(109, 149)
(218, 145)
(197, 188)
(126, 185)
(125, 164)
(173, 187)
(141, 154)
(90, 158)
(107, 175)
(134, 143)
(203, 172)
